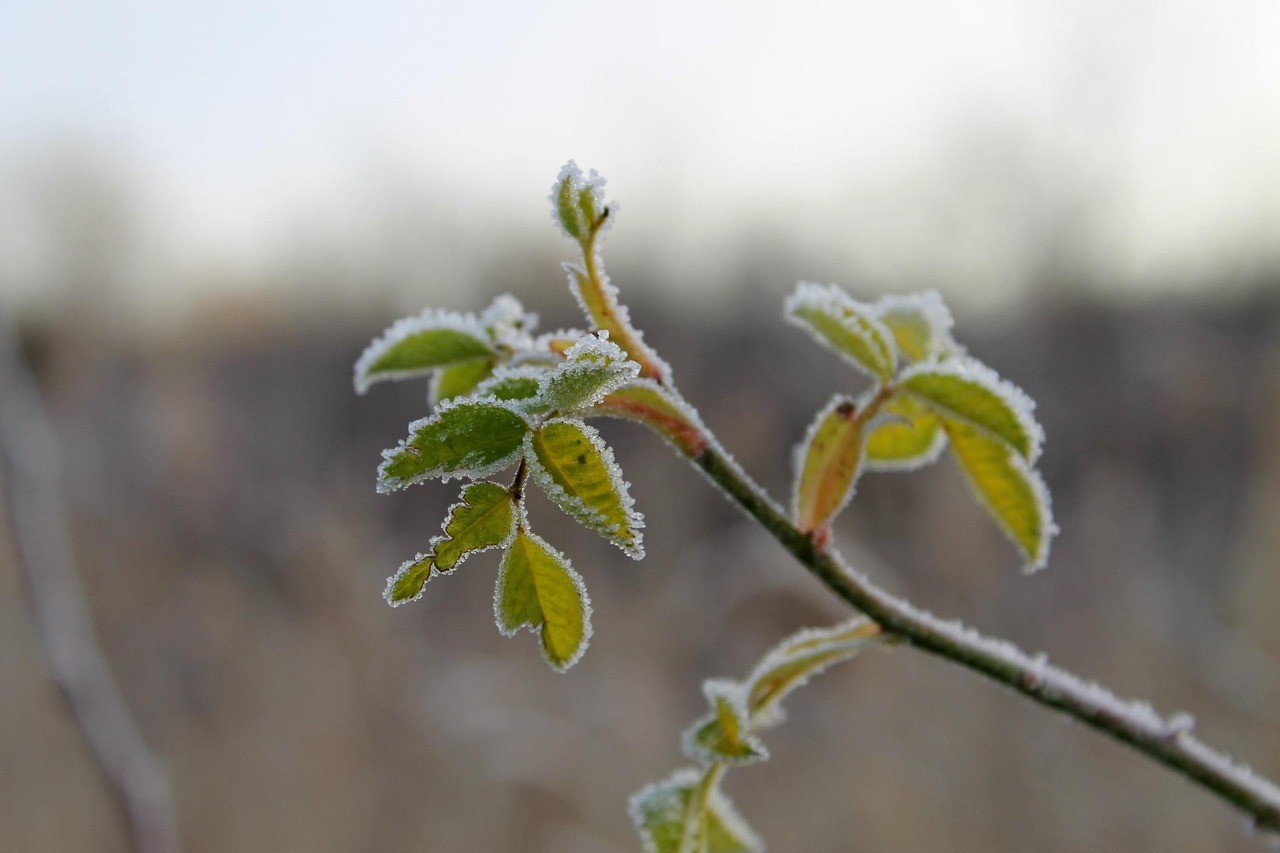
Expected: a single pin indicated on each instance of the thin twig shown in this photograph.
(38, 519)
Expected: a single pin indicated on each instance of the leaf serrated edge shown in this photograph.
(440, 538)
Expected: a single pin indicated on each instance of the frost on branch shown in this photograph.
(464, 438)
(572, 464)
(687, 813)
(592, 368)
(968, 390)
(827, 464)
(538, 589)
(1007, 487)
(850, 328)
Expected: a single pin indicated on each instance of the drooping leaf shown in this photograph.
(795, 660)
(687, 813)
(647, 402)
(485, 518)
(538, 589)
(409, 582)
(848, 327)
(909, 438)
(1010, 489)
(458, 380)
(572, 464)
(593, 368)
(725, 734)
(827, 462)
(415, 346)
(970, 391)
(463, 438)
(920, 322)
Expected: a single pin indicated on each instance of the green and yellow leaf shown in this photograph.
(687, 813)
(828, 462)
(967, 390)
(910, 438)
(572, 464)
(458, 380)
(1007, 487)
(462, 439)
(920, 322)
(538, 589)
(645, 401)
(849, 328)
(408, 583)
(485, 518)
(723, 736)
(415, 346)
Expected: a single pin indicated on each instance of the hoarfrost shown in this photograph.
(800, 453)
(856, 319)
(574, 578)
(929, 306)
(593, 368)
(579, 282)
(406, 327)
(508, 324)
(406, 567)
(733, 695)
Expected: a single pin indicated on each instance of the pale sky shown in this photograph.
(910, 139)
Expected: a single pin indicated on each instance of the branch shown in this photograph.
(1167, 741)
(38, 519)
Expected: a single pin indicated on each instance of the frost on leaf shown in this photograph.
(848, 327)
(687, 813)
(795, 660)
(572, 464)
(725, 734)
(827, 462)
(415, 346)
(539, 590)
(458, 380)
(970, 391)
(911, 438)
(646, 402)
(593, 368)
(516, 384)
(576, 201)
(485, 518)
(1010, 490)
(920, 322)
(408, 583)
(464, 438)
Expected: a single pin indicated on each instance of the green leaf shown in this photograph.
(538, 589)
(910, 439)
(576, 201)
(484, 519)
(593, 368)
(723, 736)
(920, 322)
(462, 439)
(515, 384)
(458, 380)
(647, 402)
(1007, 487)
(968, 390)
(795, 660)
(687, 813)
(570, 462)
(408, 583)
(415, 346)
(848, 327)
(828, 461)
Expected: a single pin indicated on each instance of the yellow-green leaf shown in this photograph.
(967, 390)
(920, 322)
(415, 346)
(724, 735)
(1010, 490)
(687, 813)
(571, 463)
(848, 327)
(538, 589)
(593, 368)
(911, 438)
(827, 464)
(484, 519)
(458, 380)
(462, 439)
(408, 583)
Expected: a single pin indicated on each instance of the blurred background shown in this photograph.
(206, 211)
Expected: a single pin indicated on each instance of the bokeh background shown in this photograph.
(206, 210)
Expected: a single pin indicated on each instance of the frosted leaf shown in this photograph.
(414, 346)
(724, 736)
(792, 662)
(968, 390)
(514, 384)
(1007, 487)
(910, 439)
(687, 813)
(572, 464)
(538, 589)
(599, 302)
(409, 582)
(827, 464)
(466, 437)
(849, 328)
(577, 202)
(921, 324)
(458, 380)
(593, 368)
(645, 401)
(507, 324)
(485, 518)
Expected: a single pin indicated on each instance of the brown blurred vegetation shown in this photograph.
(221, 481)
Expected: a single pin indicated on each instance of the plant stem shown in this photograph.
(1167, 741)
